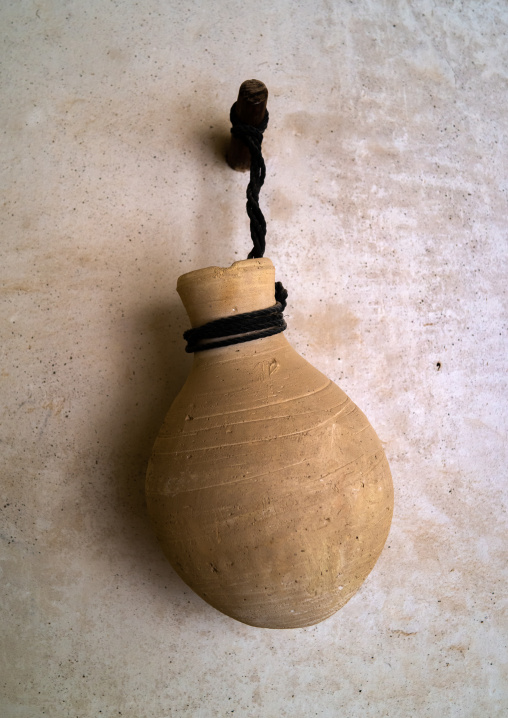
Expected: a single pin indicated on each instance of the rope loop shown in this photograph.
(241, 327)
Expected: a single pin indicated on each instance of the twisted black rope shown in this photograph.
(240, 328)
(263, 322)
(252, 138)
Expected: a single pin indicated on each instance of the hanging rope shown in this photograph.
(263, 322)
(252, 138)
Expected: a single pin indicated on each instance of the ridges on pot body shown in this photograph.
(268, 488)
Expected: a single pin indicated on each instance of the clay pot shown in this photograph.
(268, 488)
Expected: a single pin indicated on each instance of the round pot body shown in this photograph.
(268, 488)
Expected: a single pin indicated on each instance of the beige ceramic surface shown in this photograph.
(387, 221)
(269, 490)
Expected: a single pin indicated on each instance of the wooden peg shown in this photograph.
(250, 109)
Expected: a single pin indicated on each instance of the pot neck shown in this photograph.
(216, 292)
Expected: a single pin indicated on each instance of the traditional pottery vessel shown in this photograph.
(268, 488)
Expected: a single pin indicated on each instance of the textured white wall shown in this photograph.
(387, 221)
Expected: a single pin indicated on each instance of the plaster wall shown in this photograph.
(387, 220)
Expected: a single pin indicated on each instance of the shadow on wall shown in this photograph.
(216, 140)
(153, 363)
(157, 371)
